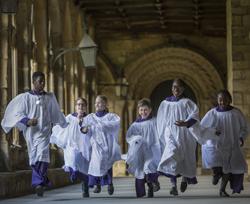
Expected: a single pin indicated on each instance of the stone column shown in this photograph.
(238, 51)
(41, 35)
(68, 42)
(24, 45)
(4, 88)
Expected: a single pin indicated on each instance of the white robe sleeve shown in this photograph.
(203, 134)
(161, 123)
(60, 135)
(192, 110)
(244, 126)
(16, 110)
(57, 117)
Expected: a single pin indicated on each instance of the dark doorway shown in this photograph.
(164, 90)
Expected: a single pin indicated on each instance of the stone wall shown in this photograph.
(13, 184)
(240, 56)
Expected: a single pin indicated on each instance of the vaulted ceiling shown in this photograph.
(203, 17)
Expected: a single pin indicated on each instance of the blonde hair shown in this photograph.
(103, 97)
(144, 102)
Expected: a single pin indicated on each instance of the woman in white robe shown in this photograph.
(225, 156)
(103, 129)
(76, 145)
(144, 150)
(34, 113)
(175, 115)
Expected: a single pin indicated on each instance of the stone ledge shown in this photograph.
(13, 184)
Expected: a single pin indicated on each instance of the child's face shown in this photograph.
(177, 89)
(81, 107)
(39, 83)
(144, 111)
(223, 101)
(100, 105)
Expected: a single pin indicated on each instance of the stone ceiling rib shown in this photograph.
(207, 17)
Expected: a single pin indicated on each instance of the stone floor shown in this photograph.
(202, 193)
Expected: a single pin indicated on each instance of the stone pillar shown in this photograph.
(23, 45)
(4, 88)
(68, 42)
(41, 36)
(238, 51)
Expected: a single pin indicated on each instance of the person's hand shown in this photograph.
(84, 129)
(32, 122)
(217, 132)
(241, 142)
(181, 123)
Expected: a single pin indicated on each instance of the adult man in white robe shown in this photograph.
(175, 115)
(34, 113)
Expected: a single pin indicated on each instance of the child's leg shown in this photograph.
(153, 178)
(108, 180)
(184, 184)
(217, 174)
(39, 177)
(174, 190)
(236, 182)
(150, 190)
(224, 181)
(140, 187)
(95, 181)
(85, 184)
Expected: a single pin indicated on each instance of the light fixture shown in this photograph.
(88, 50)
(8, 6)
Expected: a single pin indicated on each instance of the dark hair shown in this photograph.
(179, 81)
(226, 94)
(83, 99)
(144, 102)
(37, 74)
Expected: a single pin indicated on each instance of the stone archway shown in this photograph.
(167, 63)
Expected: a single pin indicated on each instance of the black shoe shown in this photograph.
(224, 194)
(174, 191)
(98, 189)
(183, 186)
(150, 190)
(215, 179)
(156, 186)
(85, 190)
(85, 195)
(39, 191)
(110, 189)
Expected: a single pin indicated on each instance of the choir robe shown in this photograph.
(226, 152)
(144, 148)
(103, 133)
(144, 153)
(178, 145)
(76, 147)
(44, 107)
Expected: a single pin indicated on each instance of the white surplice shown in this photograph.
(42, 107)
(177, 143)
(103, 133)
(76, 145)
(225, 152)
(144, 151)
